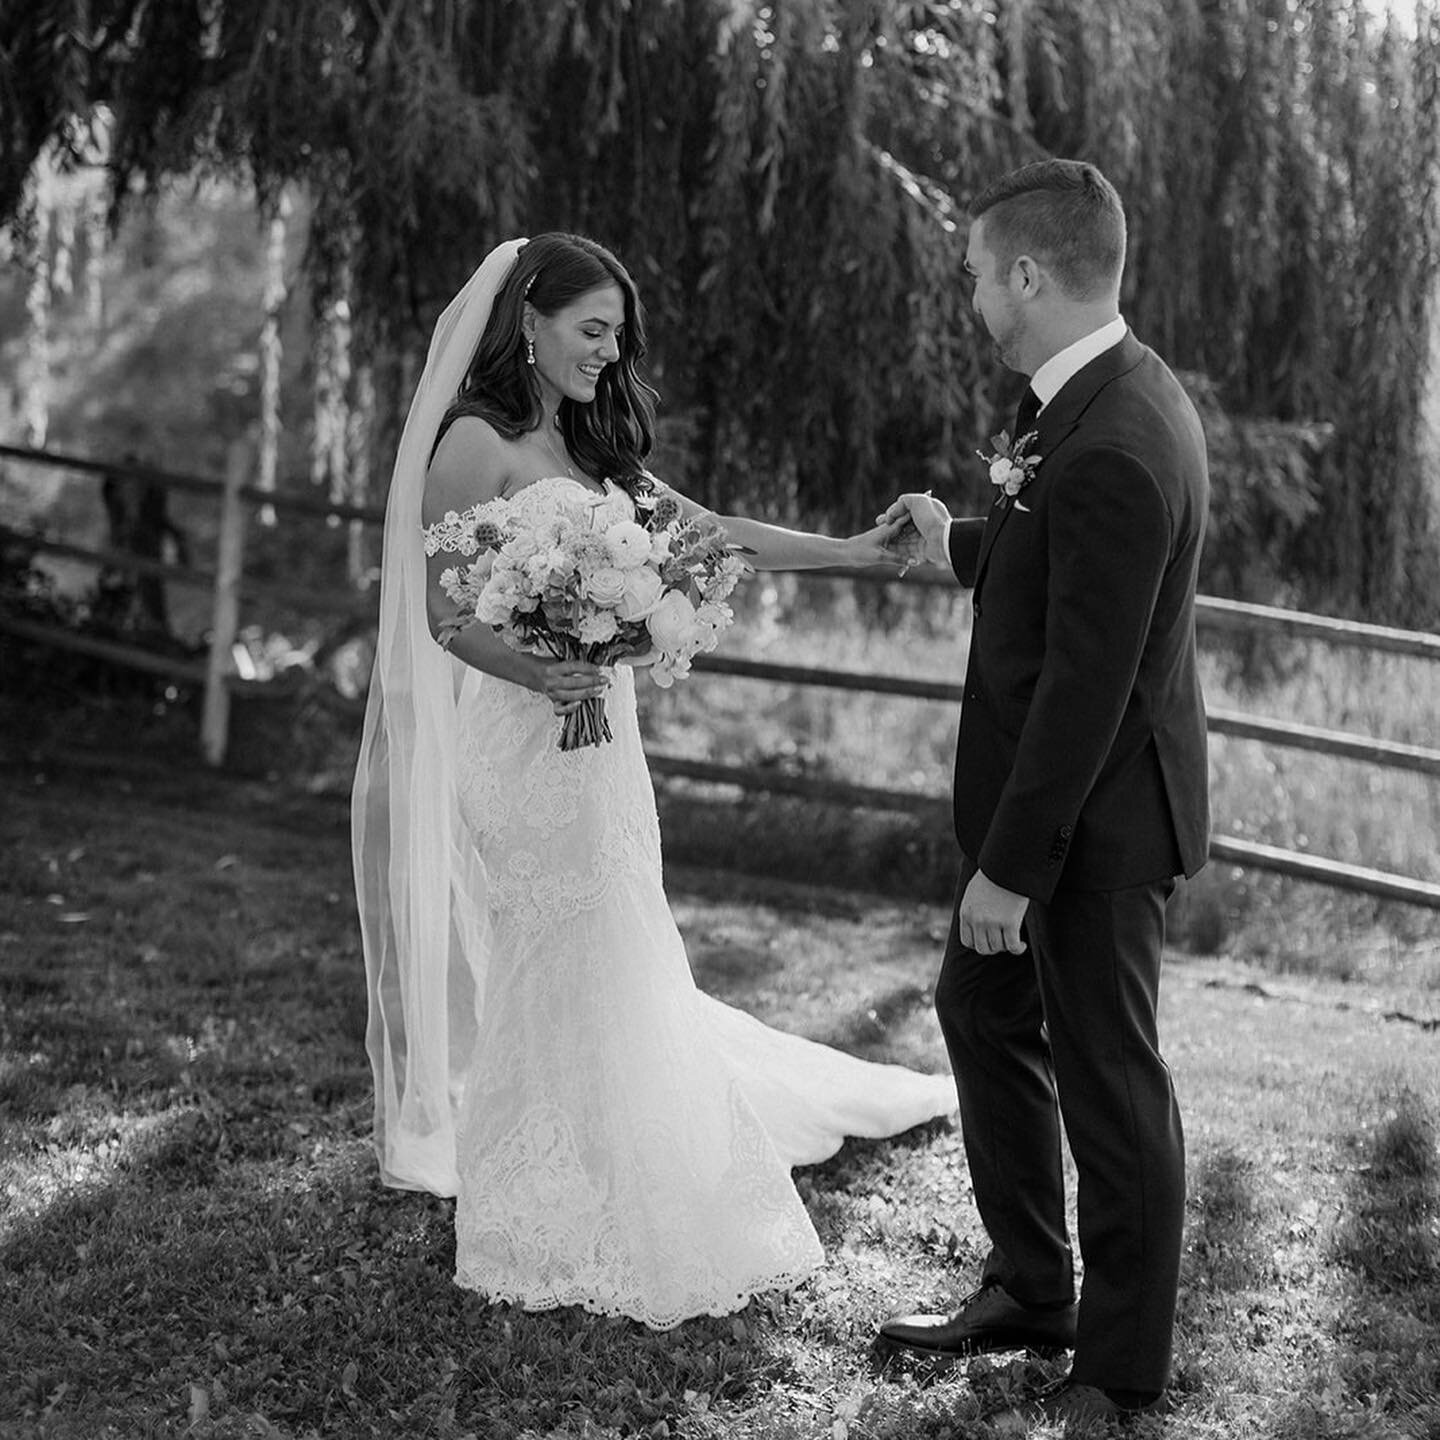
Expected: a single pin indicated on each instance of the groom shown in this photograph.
(1080, 793)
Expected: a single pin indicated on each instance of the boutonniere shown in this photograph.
(1012, 466)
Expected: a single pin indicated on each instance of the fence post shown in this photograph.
(225, 616)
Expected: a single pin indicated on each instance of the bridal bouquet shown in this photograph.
(581, 583)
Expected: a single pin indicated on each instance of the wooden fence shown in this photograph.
(230, 587)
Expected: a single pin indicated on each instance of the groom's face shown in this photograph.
(993, 299)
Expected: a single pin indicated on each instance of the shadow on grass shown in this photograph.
(1380, 1374)
(1227, 1251)
(298, 1290)
(1388, 1243)
(867, 1029)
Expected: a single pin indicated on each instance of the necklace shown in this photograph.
(561, 454)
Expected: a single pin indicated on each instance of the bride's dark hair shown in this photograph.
(611, 435)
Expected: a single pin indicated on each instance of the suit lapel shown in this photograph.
(1055, 423)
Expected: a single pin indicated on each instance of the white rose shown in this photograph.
(628, 544)
(672, 622)
(607, 586)
(642, 590)
(1001, 471)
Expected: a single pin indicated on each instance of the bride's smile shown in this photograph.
(574, 346)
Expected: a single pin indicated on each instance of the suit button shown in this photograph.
(1066, 831)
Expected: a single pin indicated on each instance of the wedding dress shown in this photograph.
(624, 1142)
(614, 1138)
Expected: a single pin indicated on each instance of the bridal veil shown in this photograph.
(419, 882)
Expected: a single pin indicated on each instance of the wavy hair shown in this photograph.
(613, 434)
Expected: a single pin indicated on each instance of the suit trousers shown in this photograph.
(1067, 1031)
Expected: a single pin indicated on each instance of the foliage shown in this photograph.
(1265, 495)
(787, 181)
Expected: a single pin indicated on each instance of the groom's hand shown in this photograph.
(990, 917)
(929, 517)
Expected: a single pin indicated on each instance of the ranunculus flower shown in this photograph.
(642, 590)
(628, 544)
(672, 622)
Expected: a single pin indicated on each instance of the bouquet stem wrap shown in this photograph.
(587, 724)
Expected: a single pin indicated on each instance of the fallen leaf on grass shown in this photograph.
(199, 1405)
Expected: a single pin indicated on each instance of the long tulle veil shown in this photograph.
(419, 884)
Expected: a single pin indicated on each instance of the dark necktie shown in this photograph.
(1025, 413)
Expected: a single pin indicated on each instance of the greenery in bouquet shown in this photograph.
(581, 583)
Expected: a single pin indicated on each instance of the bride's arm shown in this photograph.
(470, 469)
(773, 547)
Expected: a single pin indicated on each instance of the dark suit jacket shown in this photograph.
(1082, 758)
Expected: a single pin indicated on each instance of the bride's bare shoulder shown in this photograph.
(472, 464)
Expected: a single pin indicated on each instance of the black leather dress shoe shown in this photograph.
(1082, 1409)
(987, 1320)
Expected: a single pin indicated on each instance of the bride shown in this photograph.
(614, 1138)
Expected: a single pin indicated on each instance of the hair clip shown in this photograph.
(529, 284)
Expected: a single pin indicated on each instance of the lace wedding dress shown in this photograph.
(625, 1141)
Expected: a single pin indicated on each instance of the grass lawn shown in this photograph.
(193, 1240)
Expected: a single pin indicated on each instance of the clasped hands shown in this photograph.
(913, 529)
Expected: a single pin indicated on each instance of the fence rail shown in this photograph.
(230, 586)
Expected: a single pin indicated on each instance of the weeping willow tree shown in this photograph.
(788, 181)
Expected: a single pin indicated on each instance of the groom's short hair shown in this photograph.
(1066, 215)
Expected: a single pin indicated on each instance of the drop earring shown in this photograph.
(530, 350)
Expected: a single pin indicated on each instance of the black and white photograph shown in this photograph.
(719, 719)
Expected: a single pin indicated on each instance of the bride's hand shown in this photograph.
(567, 684)
(882, 544)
